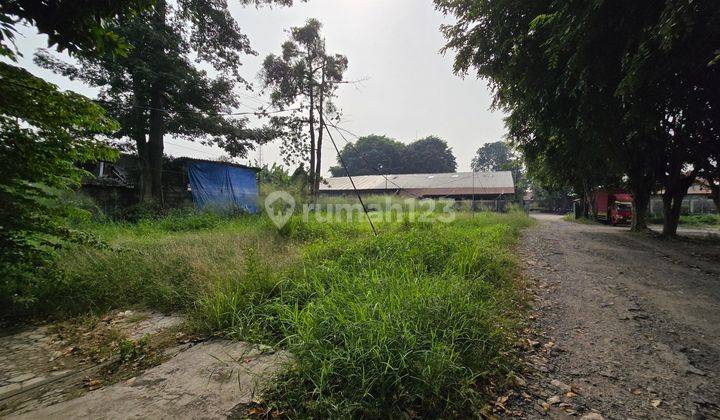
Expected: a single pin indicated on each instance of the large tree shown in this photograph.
(78, 26)
(372, 155)
(44, 133)
(499, 156)
(380, 155)
(583, 73)
(156, 88)
(304, 78)
(492, 157)
(429, 155)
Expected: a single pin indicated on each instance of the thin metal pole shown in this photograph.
(472, 207)
(342, 162)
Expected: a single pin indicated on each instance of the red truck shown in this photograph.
(613, 208)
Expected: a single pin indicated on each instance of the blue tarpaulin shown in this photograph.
(217, 184)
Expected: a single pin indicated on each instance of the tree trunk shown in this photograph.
(671, 214)
(676, 188)
(312, 139)
(714, 194)
(676, 185)
(157, 119)
(641, 188)
(586, 201)
(318, 160)
(155, 140)
(138, 133)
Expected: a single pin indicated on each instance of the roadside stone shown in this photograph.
(592, 416)
(694, 371)
(33, 381)
(519, 380)
(60, 372)
(608, 374)
(561, 385)
(553, 400)
(9, 388)
(21, 378)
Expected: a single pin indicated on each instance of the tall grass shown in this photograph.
(415, 321)
(162, 263)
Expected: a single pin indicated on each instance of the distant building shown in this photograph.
(115, 185)
(221, 184)
(697, 201)
(457, 185)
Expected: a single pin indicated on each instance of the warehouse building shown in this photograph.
(455, 185)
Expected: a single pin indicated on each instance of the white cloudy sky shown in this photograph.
(410, 90)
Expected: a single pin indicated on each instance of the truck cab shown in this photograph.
(620, 212)
(613, 207)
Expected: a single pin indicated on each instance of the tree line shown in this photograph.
(381, 155)
(602, 94)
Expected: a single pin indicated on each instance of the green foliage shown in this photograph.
(157, 88)
(164, 263)
(412, 321)
(73, 25)
(374, 155)
(699, 220)
(430, 155)
(303, 80)
(596, 98)
(44, 133)
(499, 156)
(492, 157)
(694, 220)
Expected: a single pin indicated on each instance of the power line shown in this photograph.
(377, 169)
(342, 162)
(362, 156)
(189, 147)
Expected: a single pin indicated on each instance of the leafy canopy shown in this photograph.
(73, 25)
(374, 155)
(303, 79)
(43, 133)
(492, 157)
(165, 51)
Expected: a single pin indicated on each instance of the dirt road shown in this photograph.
(628, 322)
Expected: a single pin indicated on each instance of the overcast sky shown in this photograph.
(410, 90)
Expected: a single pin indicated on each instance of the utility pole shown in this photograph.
(472, 206)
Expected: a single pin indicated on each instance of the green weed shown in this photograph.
(416, 321)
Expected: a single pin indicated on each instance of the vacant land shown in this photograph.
(628, 322)
(420, 320)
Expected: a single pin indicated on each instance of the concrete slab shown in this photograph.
(204, 381)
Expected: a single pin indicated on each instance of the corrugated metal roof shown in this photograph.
(237, 165)
(445, 183)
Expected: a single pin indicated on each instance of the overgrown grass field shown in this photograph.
(418, 320)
